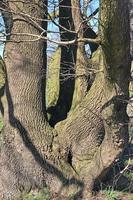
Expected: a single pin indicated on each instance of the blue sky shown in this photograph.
(1, 28)
(93, 5)
(94, 23)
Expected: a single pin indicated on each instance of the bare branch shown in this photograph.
(41, 37)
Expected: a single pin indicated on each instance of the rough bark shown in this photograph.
(2, 85)
(82, 64)
(81, 149)
(25, 124)
(27, 158)
(106, 101)
(74, 64)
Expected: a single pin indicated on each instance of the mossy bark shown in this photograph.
(53, 83)
(104, 107)
(66, 65)
(81, 64)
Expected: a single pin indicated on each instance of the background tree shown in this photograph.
(71, 157)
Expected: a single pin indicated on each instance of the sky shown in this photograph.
(1, 28)
(93, 5)
(94, 23)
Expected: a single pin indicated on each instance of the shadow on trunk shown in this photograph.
(46, 166)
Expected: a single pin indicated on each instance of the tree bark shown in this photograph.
(82, 64)
(81, 149)
(26, 134)
(74, 64)
(105, 103)
(2, 85)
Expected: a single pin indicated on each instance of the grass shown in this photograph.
(110, 194)
(41, 195)
(129, 175)
(120, 187)
(115, 195)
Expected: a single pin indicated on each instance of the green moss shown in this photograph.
(1, 124)
(52, 87)
(130, 93)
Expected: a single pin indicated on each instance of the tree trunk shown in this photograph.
(2, 85)
(81, 149)
(102, 113)
(74, 64)
(82, 64)
(67, 65)
(26, 135)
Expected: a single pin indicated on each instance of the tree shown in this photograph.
(78, 152)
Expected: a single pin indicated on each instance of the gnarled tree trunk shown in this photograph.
(81, 149)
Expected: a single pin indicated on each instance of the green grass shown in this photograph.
(110, 194)
(41, 195)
